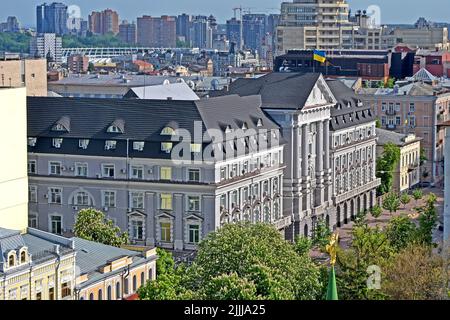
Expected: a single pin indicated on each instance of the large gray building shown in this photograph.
(326, 126)
(124, 158)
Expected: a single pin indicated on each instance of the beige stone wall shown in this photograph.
(113, 279)
(13, 171)
(31, 72)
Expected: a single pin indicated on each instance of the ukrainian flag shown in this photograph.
(320, 56)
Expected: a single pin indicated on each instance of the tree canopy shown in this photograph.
(386, 166)
(91, 224)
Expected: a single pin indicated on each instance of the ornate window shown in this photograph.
(267, 216)
(168, 131)
(11, 259)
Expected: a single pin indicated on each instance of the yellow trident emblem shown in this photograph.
(332, 248)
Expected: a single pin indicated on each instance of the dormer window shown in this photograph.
(118, 126)
(259, 123)
(83, 143)
(110, 145)
(32, 142)
(168, 131)
(138, 146)
(62, 125)
(57, 142)
(166, 147)
(244, 126)
(23, 256)
(228, 129)
(11, 259)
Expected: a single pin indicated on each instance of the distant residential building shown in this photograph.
(201, 33)
(234, 32)
(141, 66)
(435, 62)
(106, 21)
(254, 30)
(184, 25)
(157, 31)
(78, 63)
(47, 45)
(166, 91)
(406, 174)
(31, 73)
(155, 201)
(77, 26)
(52, 18)
(417, 108)
(11, 25)
(128, 32)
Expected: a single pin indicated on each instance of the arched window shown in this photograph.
(267, 217)
(257, 215)
(150, 274)
(91, 296)
(276, 211)
(134, 283)
(247, 214)
(127, 288)
(142, 278)
(168, 131)
(118, 293)
(23, 257)
(109, 293)
(12, 260)
(306, 231)
(81, 198)
(100, 294)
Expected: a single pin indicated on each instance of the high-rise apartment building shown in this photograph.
(157, 31)
(52, 18)
(201, 32)
(106, 21)
(184, 23)
(47, 45)
(254, 30)
(11, 25)
(127, 32)
(234, 32)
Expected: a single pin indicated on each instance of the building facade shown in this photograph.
(31, 73)
(78, 63)
(353, 148)
(415, 108)
(158, 32)
(126, 167)
(48, 46)
(52, 18)
(106, 21)
(127, 32)
(407, 171)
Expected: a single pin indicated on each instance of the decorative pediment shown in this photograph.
(320, 94)
(193, 217)
(137, 214)
(165, 215)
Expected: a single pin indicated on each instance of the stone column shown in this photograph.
(327, 160)
(305, 170)
(151, 206)
(178, 223)
(319, 192)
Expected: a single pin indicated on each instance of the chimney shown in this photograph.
(56, 248)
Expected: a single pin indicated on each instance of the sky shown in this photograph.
(392, 11)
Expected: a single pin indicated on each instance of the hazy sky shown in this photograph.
(393, 11)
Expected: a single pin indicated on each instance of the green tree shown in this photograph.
(260, 255)
(91, 224)
(386, 165)
(303, 245)
(15, 42)
(391, 202)
(417, 195)
(378, 123)
(376, 211)
(423, 156)
(321, 234)
(401, 232)
(427, 220)
(390, 83)
(370, 246)
(405, 198)
(416, 273)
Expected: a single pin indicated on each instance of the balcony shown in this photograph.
(357, 191)
(283, 223)
(391, 112)
(391, 127)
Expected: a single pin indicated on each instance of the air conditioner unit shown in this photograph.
(150, 171)
(63, 168)
(129, 210)
(105, 209)
(98, 176)
(72, 168)
(75, 208)
(46, 196)
(123, 171)
(168, 151)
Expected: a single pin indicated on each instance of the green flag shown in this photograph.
(332, 290)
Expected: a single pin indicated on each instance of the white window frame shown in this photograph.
(57, 142)
(189, 174)
(198, 208)
(166, 146)
(109, 166)
(139, 197)
(85, 196)
(137, 168)
(34, 163)
(164, 199)
(54, 163)
(168, 169)
(108, 203)
(79, 165)
(198, 231)
(134, 226)
(32, 194)
(110, 144)
(170, 223)
(83, 143)
(138, 146)
(50, 223)
(51, 191)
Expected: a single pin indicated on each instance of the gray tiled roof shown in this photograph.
(386, 136)
(347, 107)
(9, 240)
(277, 90)
(143, 121)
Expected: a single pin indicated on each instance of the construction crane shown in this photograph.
(241, 27)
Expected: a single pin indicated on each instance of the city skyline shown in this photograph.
(435, 9)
